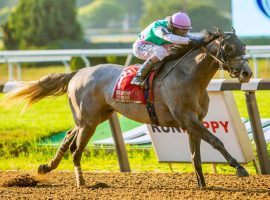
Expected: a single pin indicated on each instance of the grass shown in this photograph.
(263, 102)
(101, 160)
(46, 118)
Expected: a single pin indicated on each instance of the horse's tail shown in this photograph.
(31, 92)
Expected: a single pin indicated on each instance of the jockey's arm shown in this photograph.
(170, 37)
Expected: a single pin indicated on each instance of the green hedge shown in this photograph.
(256, 41)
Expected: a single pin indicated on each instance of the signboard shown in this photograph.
(223, 120)
(251, 17)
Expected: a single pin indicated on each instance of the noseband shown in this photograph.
(225, 61)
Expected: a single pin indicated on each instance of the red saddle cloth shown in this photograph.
(125, 92)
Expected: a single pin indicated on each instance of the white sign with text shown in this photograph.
(251, 18)
(223, 120)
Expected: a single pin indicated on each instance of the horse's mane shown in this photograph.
(178, 51)
(210, 36)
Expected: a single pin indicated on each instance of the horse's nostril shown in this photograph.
(246, 74)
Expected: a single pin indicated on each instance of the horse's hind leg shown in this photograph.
(53, 164)
(195, 143)
(84, 134)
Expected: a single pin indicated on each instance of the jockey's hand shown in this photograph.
(196, 41)
(176, 47)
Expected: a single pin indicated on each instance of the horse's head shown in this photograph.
(232, 53)
(226, 48)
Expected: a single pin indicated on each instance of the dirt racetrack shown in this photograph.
(101, 185)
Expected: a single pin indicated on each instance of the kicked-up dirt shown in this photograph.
(150, 185)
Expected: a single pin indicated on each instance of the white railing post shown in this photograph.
(86, 61)
(19, 72)
(254, 60)
(10, 72)
(67, 66)
(258, 135)
(129, 59)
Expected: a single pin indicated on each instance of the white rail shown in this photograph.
(64, 56)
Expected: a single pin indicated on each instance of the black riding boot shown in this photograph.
(142, 73)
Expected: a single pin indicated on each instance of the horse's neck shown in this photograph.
(209, 64)
(206, 69)
(199, 67)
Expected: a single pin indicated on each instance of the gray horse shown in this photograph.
(180, 93)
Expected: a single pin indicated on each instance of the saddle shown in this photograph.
(126, 93)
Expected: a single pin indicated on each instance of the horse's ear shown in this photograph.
(221, 33)
(207, 32)
(233, 30)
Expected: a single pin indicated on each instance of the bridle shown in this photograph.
(224, 60)
(221, 57)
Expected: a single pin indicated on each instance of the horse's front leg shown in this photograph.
(195, 143)
(53, 164)
(195, 127)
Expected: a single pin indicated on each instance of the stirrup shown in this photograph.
(138, 81)
(141, 84)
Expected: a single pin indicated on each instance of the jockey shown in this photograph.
(154, 41)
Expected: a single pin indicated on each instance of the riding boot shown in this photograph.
(144, 70)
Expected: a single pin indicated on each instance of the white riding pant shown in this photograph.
(145, 50)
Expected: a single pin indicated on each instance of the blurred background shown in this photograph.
(65, 24)
(115, 24)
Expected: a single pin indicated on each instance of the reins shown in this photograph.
(214, 57)
(164, 76)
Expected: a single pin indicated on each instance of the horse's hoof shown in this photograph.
(241, 172)
(82, 184)
(202, 186)
(43, 169)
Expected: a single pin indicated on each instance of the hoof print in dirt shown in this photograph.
(99, 186)
(24, 180)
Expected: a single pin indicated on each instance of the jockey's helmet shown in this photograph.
(181, 20)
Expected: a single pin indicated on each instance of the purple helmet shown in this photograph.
(181, 20)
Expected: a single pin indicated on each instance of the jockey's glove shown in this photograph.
(196, 41)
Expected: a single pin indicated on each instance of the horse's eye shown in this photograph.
(228, 48)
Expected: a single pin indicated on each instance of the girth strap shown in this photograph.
(148, 95)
